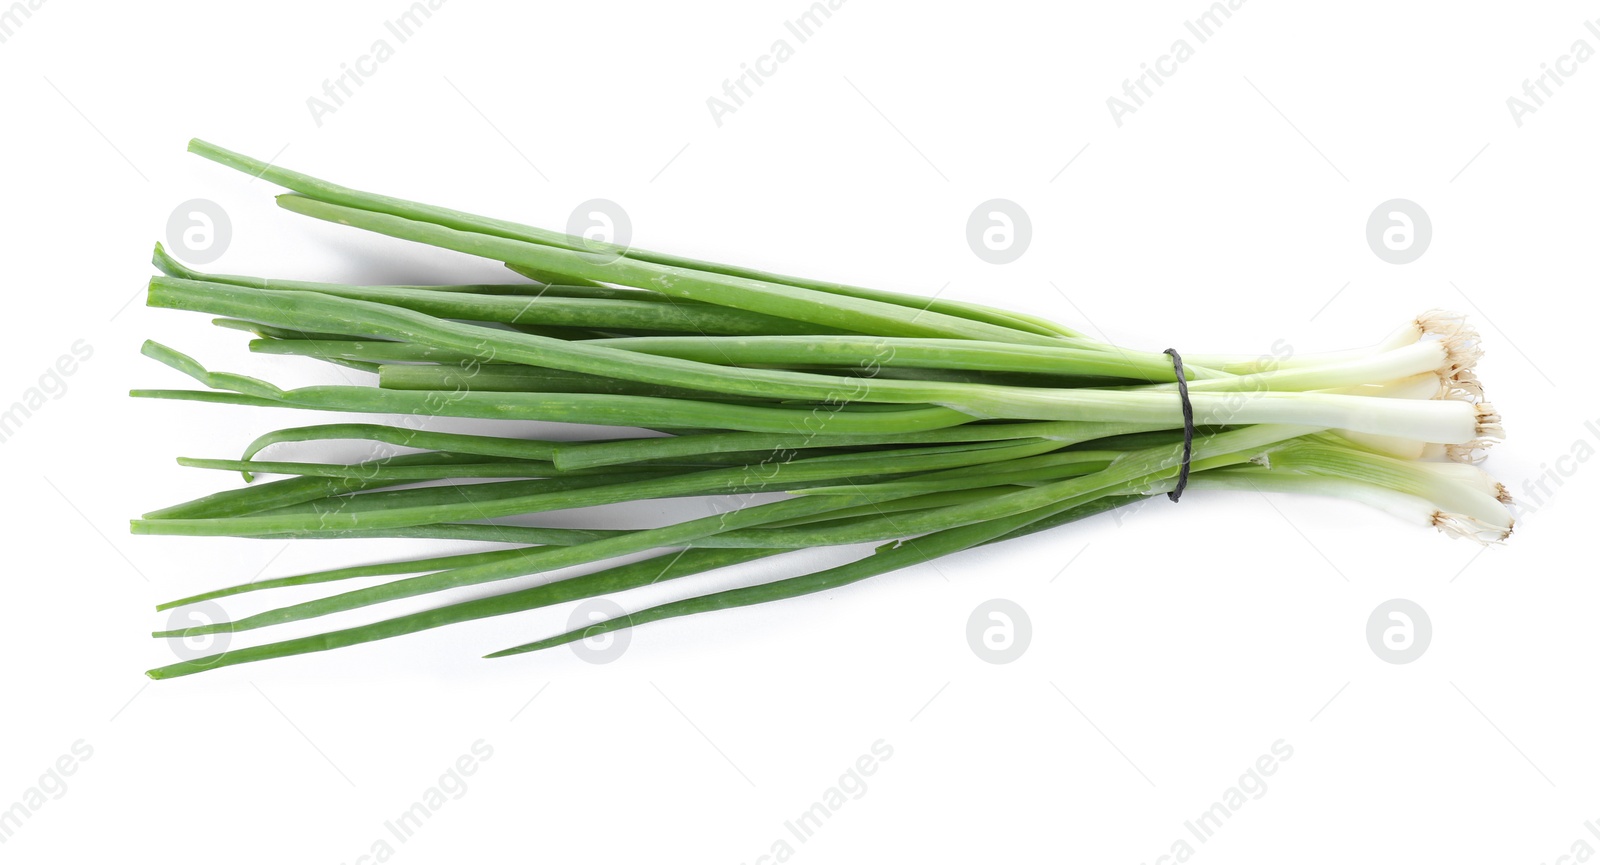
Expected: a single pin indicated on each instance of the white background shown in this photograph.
(1178, 646)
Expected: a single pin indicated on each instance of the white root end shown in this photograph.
(1489, 431)
(1442, 322)
(1473, 452)
(1462, 526)
(1503, 495)
(1489, 422)
(1463, 348)
(1458, 380)
(1461, 383)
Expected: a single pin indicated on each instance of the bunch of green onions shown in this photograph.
(925, 426)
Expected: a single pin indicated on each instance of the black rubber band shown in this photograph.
(1188, 425)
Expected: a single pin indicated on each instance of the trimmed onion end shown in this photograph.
(1443, 322)
(1461, 382)
(1488, 430)
(1462, 526)
(1463, 348)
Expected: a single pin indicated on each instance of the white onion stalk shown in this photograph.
(1408, 506)
(1417, 358)
(1470, 475)
(1448, 326)
(1444, 421)
(1471, 499)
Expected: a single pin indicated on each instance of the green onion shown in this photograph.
(816, 414)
